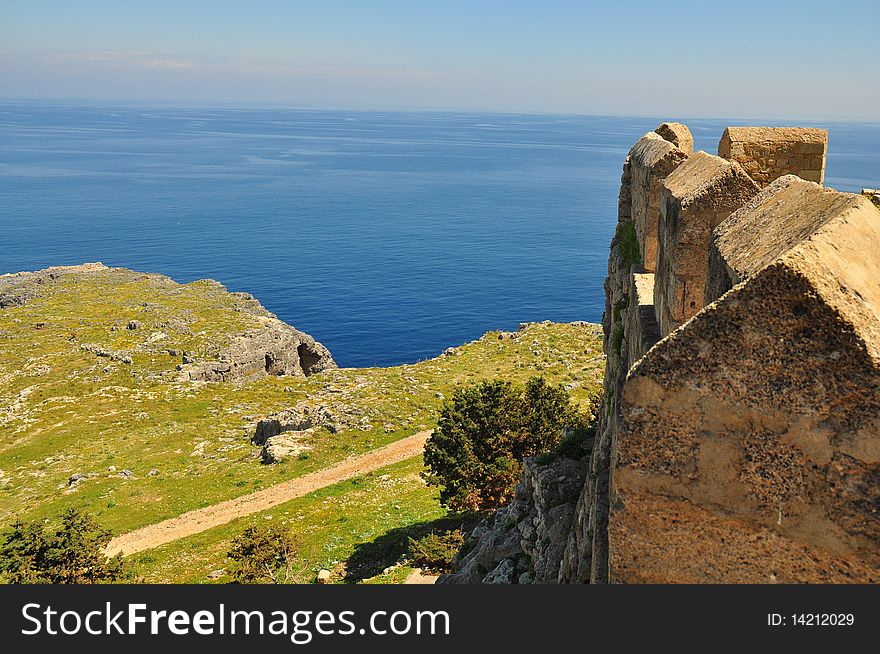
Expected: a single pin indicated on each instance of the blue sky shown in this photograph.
(764, 59)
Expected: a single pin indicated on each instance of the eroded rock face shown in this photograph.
(276, 349)
(301, 418)
(525, 542)
(267, 346)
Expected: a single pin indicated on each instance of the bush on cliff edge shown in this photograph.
(485, 431)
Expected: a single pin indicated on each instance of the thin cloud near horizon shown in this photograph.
(564, 57)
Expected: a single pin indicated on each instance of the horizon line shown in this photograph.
(232, 104)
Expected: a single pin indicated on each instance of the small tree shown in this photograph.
(263, 554)
(483, 434)
(72, 554)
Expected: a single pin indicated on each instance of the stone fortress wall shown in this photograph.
(738, 439)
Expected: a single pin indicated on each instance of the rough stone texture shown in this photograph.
(678, 134)
(641, 321)
(694, 199)
(285, 446)
(652, 158)
(526, 541)
(16, 289)
(751, 435)
(275, 349)
(300, 418)
(767, 153)
(777, 219)
(678, 542)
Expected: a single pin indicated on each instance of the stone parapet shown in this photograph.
(694, 199)
(651, 159)
(767, 153)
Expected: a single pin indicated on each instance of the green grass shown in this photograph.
(342, 526)
(64, 410)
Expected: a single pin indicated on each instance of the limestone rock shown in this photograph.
(300, 418)
(527, 539)
(285, 446)
(276, 349)
(323, 577)
(502, 574)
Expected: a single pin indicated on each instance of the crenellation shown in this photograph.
(785, 214)
(743, 445)
(767, 153)
(695, 198)
(679, 135)
(651, 159)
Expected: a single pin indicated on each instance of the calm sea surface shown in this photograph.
(387, 236)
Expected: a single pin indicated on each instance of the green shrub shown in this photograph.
(628, 243)
(435, 552)
(485, 431)
(573, 444)
(72, 554)
(263, 554)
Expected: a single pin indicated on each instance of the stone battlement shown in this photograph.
(740, 437)
(768, 153)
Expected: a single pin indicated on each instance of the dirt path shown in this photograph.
(419, 577)
(199, 520)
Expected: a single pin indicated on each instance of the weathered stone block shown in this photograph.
(777, 219)
(767, 153)
(678, 134)
(694, 199)
(652, 158)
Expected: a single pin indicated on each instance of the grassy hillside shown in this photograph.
(82, 392)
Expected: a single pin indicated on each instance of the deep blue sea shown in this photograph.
(387, 236)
